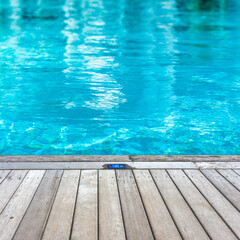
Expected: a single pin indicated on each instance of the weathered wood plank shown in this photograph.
(212, 223)
(85, 224)
(225, 209)
(14, 211)
(232, 177)
(34, 220)
(110, 158)
(226, 188)
(135, 219)
(237, 171)
(186, 158)
(95, 165)
(9, 186)
(64, 158)
(60, 219)
(162, 165)
(3, 174)
(187, 223)
(161, 221)
(110, 215)
(218, 165)
(54, 165)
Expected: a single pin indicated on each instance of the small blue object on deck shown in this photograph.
(116, 166)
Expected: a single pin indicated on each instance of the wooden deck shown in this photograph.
(129, 204)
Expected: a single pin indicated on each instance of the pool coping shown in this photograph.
(127, 165)
(119, 158)
(129, 161)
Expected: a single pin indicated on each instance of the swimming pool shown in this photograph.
(119, 77)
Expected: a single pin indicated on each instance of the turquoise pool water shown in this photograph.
(119, 77)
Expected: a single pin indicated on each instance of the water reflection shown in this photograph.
(126, 76)
(86, 55)
(202, 5)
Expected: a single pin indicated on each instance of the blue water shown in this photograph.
(119, 77)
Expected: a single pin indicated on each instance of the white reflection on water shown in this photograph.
(104, 91)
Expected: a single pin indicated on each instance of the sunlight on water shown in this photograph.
(119, 77)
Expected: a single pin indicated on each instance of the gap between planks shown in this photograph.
(131, 195)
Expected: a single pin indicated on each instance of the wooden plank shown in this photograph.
(3, 174)
(95, 165)
(121, 158)
(9, 186)
(218, 165)
(232, 177)
(237, 171)
(14, 211)
(162, 165)
(85, 225)
(212, 223)
(185, 158)
(34, 220)
(60, 219)
(159, 217)
(135, 219)
(187, 223)
(225, 209)
(55, 165)
(110, 215)
(226, 188)
(64, 158)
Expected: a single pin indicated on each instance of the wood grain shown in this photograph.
(232, 177)
(225, 209)
(33, 222)
(187, 223)
(110, 215)
(226, 188)
(60, 219)
(135, 219)
(3, 174)
(14, 211)
(186, 158)
(63, 158)
(85, 224)
(9, 186)
(159, 217)
(212, 223)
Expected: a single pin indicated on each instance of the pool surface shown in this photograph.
(119, 77)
